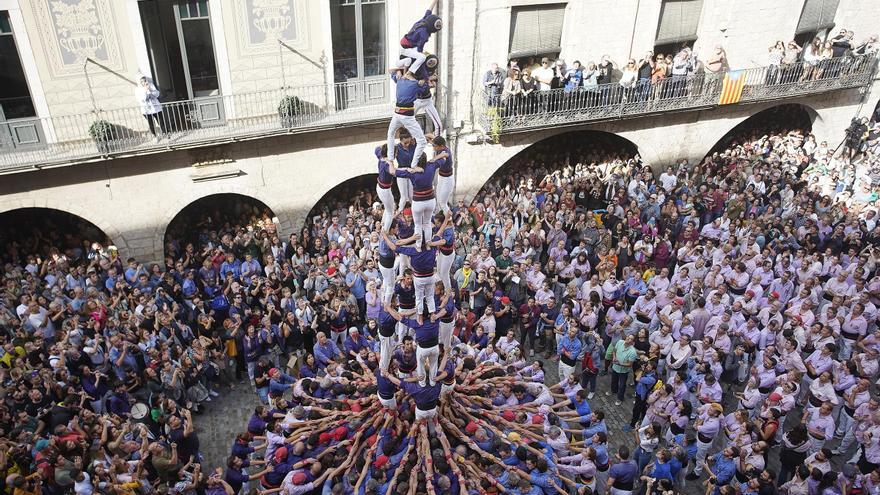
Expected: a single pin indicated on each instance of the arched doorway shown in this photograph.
(204, 222)
(358, 191)
(563, 156)
(773, 120)
(47, 232)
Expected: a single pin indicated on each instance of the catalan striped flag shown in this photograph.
(732, 88)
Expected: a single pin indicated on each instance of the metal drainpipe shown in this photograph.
(632, 36)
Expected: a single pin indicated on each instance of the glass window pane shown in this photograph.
(200, 56)
(344, 32)
(373, 16)
(15, 97)
(5, 28)
(203, 8)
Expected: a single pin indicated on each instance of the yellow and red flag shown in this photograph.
(732, 88)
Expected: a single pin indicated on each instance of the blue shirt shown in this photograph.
(422, 181)
(233, 267)
(407, 92)
(572, 345)
(723, 468)
(385, 176)
(420, 33)
(427, 334)
(624, 472)
(645, 384)
(359, 287)
(404, 156)
(325, 353)
(662, 470)
(422, 262)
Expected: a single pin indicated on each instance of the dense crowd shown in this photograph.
(734, 294)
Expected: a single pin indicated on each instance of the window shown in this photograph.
(195, 30)
(536, 30)
(818, 15)
(358, 32)
(679, 20)
(15, 96)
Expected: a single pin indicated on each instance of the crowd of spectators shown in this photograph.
(525, 86)
(732, 302)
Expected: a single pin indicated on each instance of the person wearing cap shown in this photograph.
(279, 382)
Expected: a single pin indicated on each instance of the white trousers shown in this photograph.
(565, 371)
(702, 450)
(446, 334)
(427, 105)
(389, 404)
(386, 348)
(387, 199)
(410, 123)
(816, 444)
(423, 211)
(444, 268)
(431, 413)
(388, 277)
(404, 185)
(418, 58)
(424, 290)
(445, 185)
(402, 263)
(433, 354)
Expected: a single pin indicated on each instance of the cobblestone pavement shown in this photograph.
(227, 415)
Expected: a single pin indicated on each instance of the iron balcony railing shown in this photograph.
(500, 113)
(36, 143)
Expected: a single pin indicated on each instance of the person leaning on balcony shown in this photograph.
(544, 75)
(529, 88)
(629, 78)
(812, 57)
(147, 95)
(493, 83)
(512, 91)
(790, 64)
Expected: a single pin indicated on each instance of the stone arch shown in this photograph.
(477, 163)
(342, 194)
(770, 119)
(593, 140)
(185, 223)
(67, 225)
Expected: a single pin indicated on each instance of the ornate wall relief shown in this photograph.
(262, 23)
(74, 30)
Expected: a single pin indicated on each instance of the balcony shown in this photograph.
(499, 115)
(28, 144)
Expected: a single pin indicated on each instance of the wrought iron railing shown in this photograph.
(498, 113)
(30, 143)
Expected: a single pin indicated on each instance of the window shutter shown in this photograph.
(817, 15)
(679, 20)
(536, 30)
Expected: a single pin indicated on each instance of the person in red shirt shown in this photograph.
(464, 322)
